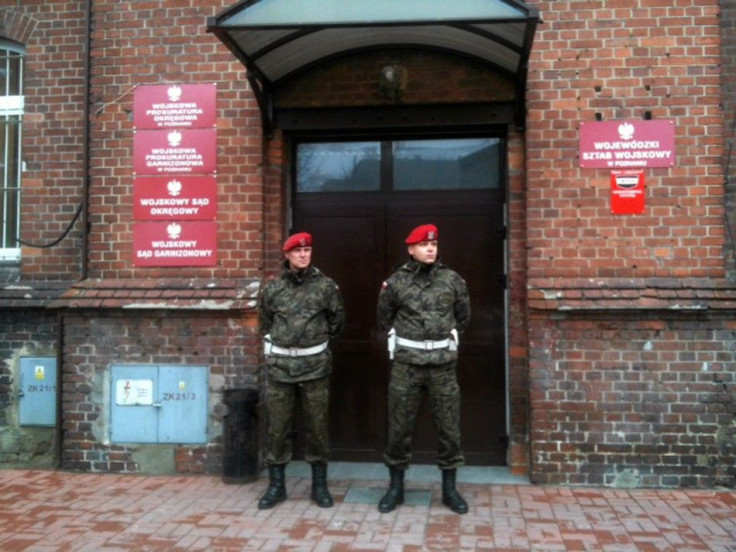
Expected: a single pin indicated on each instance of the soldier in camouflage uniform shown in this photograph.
(423, 306)
(300, 312)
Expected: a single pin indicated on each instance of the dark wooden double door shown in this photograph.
(359, 239)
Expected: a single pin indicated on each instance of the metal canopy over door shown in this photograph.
(360, 200)
(277, 39)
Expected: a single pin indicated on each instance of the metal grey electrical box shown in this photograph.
(159, 404)
(37, 393)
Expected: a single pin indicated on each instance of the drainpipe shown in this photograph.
(59, 430)
(86, 142)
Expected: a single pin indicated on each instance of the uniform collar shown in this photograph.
(414, 266)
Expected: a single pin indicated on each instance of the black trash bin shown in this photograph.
(240, 436)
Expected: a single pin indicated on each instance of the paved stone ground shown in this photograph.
(45, 511)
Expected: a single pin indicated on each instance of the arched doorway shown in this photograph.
(360, 199)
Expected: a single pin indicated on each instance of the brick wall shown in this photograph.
(622, 60)
(275, 201)
(432, 78)
(592, 58)
(138, 43)
(518, 385)
(94, 341)
(728, 79)
(645, 401)
(630, 346)
(132, 44)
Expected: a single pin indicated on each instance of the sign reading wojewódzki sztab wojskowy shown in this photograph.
(634, 144)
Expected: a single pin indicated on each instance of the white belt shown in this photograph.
(450, 343)
(271, 349)
(427, 345)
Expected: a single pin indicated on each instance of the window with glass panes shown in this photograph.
(11, 115)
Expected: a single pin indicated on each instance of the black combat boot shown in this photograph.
(395, 494)
(320, 494)
(450, 497)
(276, 491)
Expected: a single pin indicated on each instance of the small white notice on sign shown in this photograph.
(134, 392)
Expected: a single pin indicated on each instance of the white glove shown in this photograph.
(454, 340)
(391, 343)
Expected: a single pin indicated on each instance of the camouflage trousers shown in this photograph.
(281, 405)
(404, 399)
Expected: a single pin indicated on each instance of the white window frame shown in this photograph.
(11, 106)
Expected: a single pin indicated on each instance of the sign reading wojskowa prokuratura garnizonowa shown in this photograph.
(633, 144)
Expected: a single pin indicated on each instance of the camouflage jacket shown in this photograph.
(424, 303)
(301, 309)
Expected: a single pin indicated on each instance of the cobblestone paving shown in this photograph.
(45, 511)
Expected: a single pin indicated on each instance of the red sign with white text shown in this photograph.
(185, 243)
(175, 197)
(174, 151)
(174, 106)
(627, 192)
(627, 144)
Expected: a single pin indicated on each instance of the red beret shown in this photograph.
(425, 232)
(302, 239)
